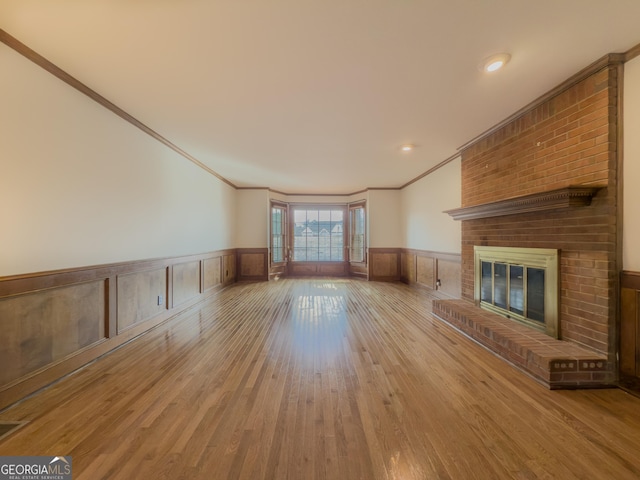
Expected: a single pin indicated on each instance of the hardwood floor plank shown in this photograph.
(321, 379)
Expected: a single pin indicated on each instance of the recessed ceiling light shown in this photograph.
(407, 147)
(495, 62)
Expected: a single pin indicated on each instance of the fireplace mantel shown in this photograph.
(572, 196)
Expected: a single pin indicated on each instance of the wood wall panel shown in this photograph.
(302, 269)
(211, 270)
(408, 267)
(52, 323)
(448, 272)
(425, 271)
(629, 332)
(384, 264)
(630, 324)
(423, 268)
(138, 297)
(253, 264)
(305, 269)
(186, 281)
(43, 327)
(337, 270)
(228, 268)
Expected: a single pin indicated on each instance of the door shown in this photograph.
(279, 251)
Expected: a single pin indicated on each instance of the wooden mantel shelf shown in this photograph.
(572, 196)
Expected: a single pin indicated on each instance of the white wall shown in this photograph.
(80, 186)
(422, 203)
(252, 228)
(384, 221)
(631, 169)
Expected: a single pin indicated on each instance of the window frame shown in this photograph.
(318, 207)
(351, 226)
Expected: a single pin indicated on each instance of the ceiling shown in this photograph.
(316, 96)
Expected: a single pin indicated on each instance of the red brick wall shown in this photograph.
(570, 139)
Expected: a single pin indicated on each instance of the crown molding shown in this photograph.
(73, 82)
(432, 169)
(632, 53)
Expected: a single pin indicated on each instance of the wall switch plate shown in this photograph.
(160, 300)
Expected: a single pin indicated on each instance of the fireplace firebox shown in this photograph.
(520, 284)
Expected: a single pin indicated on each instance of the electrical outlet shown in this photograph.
(160, 300)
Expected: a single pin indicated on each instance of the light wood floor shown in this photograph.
(336, 379)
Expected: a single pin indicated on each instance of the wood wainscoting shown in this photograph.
(55, 322)
(318, 269)
(431, 270)
(630, 326)
(315, 269)
(384, 264)
(253, 264)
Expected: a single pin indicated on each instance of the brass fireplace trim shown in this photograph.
(545, 258)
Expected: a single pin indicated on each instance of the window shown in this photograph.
(278, 232)
(318, 234)
(356, 233)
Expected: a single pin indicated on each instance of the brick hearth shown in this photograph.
(555, 363)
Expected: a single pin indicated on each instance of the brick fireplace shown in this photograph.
(512, 178)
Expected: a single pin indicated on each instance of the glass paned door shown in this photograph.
(278, 234)
(357, 234)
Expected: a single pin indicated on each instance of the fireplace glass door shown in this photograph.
(507, 287)
(520, 284)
